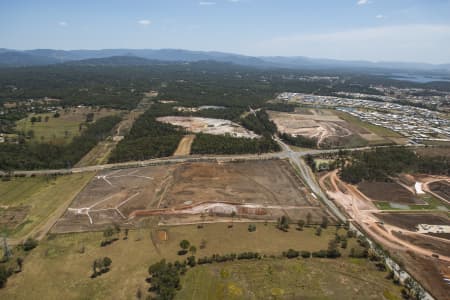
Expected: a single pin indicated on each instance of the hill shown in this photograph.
(13, 58)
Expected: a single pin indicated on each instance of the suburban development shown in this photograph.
(138, 173)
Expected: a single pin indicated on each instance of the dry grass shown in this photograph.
(57, 269)
(43, 196)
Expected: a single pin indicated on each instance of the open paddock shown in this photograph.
(30, 205)
(61, 130)
(70, 256)
(11, 217)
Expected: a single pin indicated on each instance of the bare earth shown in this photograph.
(209, 125)
(189, 192)
(184, 147)
(415, 249)
(322, 125)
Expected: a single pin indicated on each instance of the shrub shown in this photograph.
(291, 253)
(306, 254)
(29, 244)
(251, 227)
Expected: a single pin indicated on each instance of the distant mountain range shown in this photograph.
(16, 58)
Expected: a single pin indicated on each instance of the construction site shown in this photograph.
(192, 193)
(419, 240)
(209, 126)
(324, 126)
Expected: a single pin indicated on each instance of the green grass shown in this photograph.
(383, 205)
(63, 129)
(433, 203)
(57, 130)
(379, 130)
(288, 279)
(44, 195)
(57, 270)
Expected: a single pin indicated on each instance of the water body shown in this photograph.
(418, 78)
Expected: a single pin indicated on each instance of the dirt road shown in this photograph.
(361, 210)
(184, 147)
(100, 153)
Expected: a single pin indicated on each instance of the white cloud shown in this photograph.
(363, 2)
(207, 3)
(63, 23)
(144, 22)
(380, 16)
(417, 42)
(235, 1)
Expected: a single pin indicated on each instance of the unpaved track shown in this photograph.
(365, 218)
(184, 147)
(100, 153)
(427, 189)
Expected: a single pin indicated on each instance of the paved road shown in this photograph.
(158, 161)
(286, 153)
(307, 175)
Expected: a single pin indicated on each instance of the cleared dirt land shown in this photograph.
(388, 191)
(409, 221)
(441, 188)
(191, 192)
(184, 147)
(209, 126)
(325, 126)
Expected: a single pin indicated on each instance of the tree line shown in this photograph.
(149, 138)
(225, 144)
(380, 163)
(48, 156)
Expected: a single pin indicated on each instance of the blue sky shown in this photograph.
(377, 30)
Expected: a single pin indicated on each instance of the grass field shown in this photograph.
(42, 195)
(288, 279)
(58, 269)
(433, 203)
(60, 130)
(57, 130)
(379, 130)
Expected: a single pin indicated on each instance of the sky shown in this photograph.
(375, 30)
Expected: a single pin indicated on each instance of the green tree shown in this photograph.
(324, 223)
(300, 224)
(29, 244)
(108, 232)
(319, 231)
(184, 244)
(19, 261)
(4, 274)
(283, 223)
(107, 262)
(308, 219)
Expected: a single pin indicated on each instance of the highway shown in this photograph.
(308, 177)
(286, 152)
